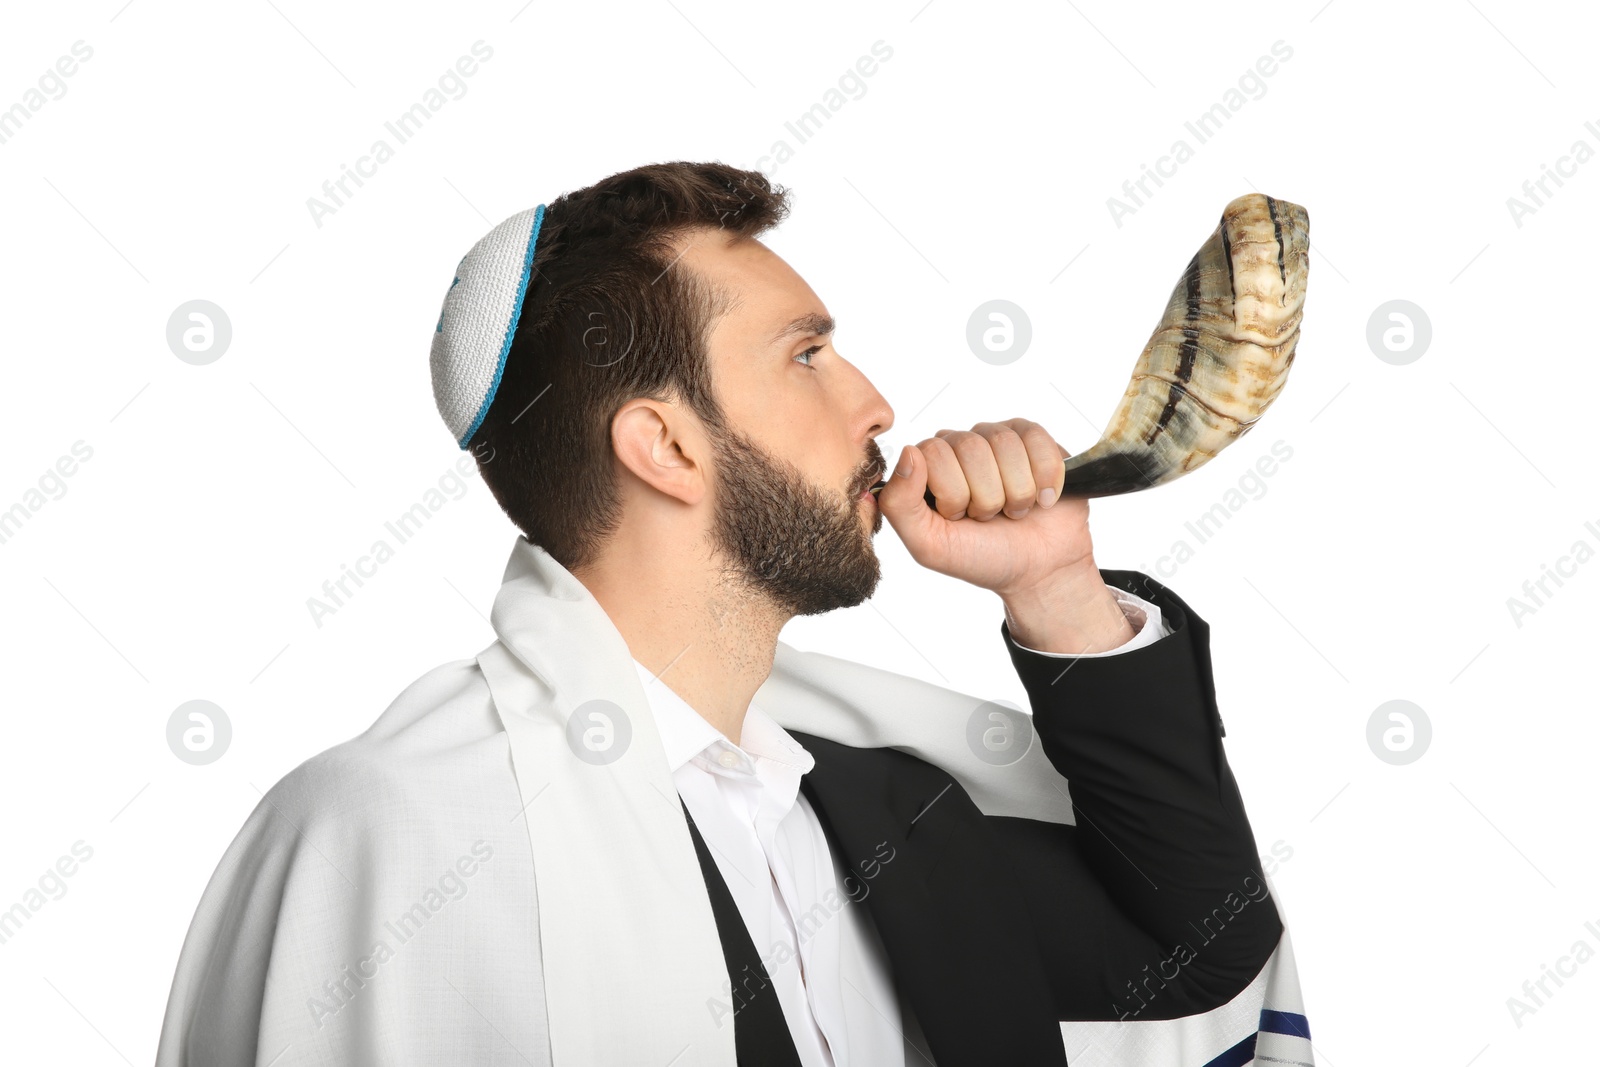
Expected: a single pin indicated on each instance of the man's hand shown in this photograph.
(1000, 524)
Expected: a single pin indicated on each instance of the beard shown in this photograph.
(801, 547)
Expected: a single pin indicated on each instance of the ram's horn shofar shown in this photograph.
(1216, 362)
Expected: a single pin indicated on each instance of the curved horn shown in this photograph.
(1216, 361)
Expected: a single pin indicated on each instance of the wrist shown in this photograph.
(1070, 613)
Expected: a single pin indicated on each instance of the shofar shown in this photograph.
(1217, 360)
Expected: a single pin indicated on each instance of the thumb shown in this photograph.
(901, 501)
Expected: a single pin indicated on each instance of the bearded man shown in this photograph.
(640, 829)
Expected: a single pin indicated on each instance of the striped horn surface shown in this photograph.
(1218, 358)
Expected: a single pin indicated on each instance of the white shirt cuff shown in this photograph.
(1149, 627)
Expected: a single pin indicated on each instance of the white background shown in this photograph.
(1375, 564)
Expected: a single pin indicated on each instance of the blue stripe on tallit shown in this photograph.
(1272, 1022)
(1238, 1055)
(1285, 1022)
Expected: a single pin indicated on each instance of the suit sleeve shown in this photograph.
(1153, 906)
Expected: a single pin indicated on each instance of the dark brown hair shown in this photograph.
(607, 318)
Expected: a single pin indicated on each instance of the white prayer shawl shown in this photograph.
(453, 885)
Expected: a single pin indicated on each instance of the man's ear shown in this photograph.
(652, 441)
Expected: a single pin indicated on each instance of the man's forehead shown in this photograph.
(767, 300)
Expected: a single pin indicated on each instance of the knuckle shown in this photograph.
(986, 507)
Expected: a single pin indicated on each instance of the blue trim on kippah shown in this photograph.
(511, 327)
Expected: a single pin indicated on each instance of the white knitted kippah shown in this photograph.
(479, 320)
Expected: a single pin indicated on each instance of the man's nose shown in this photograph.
(877, 414)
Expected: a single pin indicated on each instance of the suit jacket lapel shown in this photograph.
(944, 901)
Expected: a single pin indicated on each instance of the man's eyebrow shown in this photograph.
(809, 323)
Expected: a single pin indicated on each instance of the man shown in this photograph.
(640, 829)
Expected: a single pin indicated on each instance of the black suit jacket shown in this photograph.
(997, 929)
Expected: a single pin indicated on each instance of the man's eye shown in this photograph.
(808, 353)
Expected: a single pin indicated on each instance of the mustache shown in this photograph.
(873, 479)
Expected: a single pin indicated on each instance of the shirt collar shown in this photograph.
(687, 737)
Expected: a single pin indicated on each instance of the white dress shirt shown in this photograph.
(822, 953)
